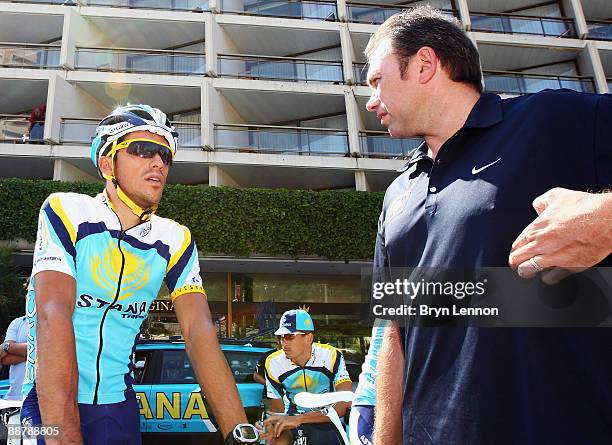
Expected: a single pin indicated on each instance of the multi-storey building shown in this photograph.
(264, 93)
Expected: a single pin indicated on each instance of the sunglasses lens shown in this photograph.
(148, 150)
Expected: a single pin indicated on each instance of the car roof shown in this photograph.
(177, 345)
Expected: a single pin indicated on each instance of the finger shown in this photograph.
(521, 240)
(528, 269)
(523, 253)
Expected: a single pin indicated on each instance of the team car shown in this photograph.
(169, 397)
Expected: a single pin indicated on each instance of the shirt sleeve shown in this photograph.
(274, 388)
(341, 375)
(183, 273)
(55, 240)
(603, 141)
(13, 331)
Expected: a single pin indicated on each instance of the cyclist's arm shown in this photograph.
(318, 417)
(57, 373)
(208, 361)
(258, 378)
(389, 389)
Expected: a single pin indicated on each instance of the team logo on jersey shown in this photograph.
(43, 237)
(106, 269)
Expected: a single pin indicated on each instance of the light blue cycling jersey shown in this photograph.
(118, 274)
(324, 371)
(365, 394)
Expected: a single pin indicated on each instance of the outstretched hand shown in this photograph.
(573, 231)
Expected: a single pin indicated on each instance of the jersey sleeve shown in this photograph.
(341, 375)
(183, 272)
(55, 240)
(274, 388)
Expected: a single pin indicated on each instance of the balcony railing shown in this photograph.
(82, 131)
(48, 2)
(378, 144)
(377, 14)
(25, 55)
(281, 140)
(360, 73)
(308, 10)
(600, 30)
(523, 24)
(280, 68)
(503, 82)
(172, 5)
(14, 128)
(141, 61)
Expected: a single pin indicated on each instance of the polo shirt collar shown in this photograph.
(486, 112)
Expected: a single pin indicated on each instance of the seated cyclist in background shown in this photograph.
(302, 365)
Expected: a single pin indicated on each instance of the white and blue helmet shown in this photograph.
(127, 119)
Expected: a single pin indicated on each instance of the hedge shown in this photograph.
(333, 224)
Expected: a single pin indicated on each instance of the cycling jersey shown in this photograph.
(365, 394)
(118, 274)
(322, 373)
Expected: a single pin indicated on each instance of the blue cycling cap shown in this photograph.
(295, 320)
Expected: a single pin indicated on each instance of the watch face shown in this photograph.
(247, 432)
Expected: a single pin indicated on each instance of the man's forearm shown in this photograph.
(12, 359)
(57, 372)
(319, 417)
(20, 349)
(389, 389)
(214, 375)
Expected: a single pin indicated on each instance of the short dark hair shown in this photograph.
(425, 26)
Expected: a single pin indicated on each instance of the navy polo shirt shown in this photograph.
(500, 385)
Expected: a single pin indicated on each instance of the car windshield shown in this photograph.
(176, 367)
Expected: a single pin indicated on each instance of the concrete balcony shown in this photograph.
(172, 5)
(82, 131)
(281, 140)
(141, 61)
(280, 68)
(25, 55)
(306, 10)
(376, 14)
(378, 144)
(515, 83)
(523, 24)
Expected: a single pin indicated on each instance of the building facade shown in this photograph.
(265, 94)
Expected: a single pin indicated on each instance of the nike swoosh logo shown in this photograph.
(475, 170)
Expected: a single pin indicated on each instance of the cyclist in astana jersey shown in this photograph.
(361, 421)
(302, 365)
(98, 265)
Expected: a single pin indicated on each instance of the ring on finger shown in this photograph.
(535, 264)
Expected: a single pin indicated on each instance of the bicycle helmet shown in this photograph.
(120, 122)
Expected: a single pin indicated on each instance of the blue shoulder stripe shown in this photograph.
(60, 230)
(173, 274)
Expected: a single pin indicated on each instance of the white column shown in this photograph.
(599, 75)
(573, 9)
(342, 10)
(361, 181)
(65, 171)
(354, 122)
(464, 14)
(348, 54)
(217, 177)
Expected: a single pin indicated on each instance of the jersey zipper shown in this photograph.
(121, 233)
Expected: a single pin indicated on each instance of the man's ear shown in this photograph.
(106, 165)
(428, 63)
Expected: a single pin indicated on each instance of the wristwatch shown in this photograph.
(6, 346)
(243, 433)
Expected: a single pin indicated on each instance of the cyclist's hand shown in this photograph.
(285, 423)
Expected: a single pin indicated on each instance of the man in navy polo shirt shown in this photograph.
(462, 200)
